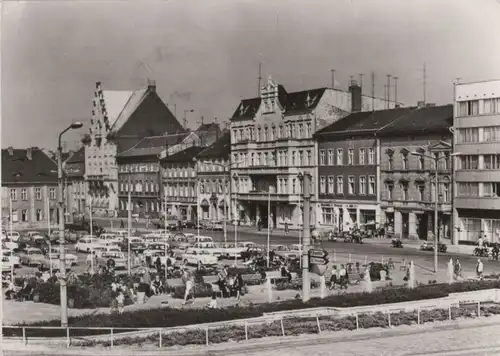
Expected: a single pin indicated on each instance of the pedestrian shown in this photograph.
(479, 268)
(189, 283)
(334, 277)
(457, 269)
(343, 278)
(286, 226)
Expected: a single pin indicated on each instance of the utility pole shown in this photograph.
(333, 78)
(388, 91)
(385, 96)
(373, 91)
(306, 240)
(395, 90)
(259, 79)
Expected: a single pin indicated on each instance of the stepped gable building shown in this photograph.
(408, 188)
(214, 177)
(120, 119)
(29, 188)
(272, 142)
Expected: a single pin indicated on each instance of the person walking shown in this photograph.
(479, 269)
(189, 283)
(457, 269)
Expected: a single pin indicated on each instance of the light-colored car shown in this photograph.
(6, 264)
(217, 226)
(110, 239)
(119, 258)
(14, 236)
(210, 248)
(284, 251)
(11, 245)
(53, 260)
(31, 256)
(194, 257)
(12, 258)
(87, 244)
(232, 250)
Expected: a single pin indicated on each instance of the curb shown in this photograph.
(259, 344)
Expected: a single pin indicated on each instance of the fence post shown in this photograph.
(206, 336)
(389, 318)
(449, 311)
(418, 316)
(357, 322)
(161, 338)
(68, 340)
(25, 341)
(319, 326)
(282, 327)
(246, 330)
(478, 309)
(111, 336)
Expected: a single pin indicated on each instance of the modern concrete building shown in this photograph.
(272, 139)
(477, 165)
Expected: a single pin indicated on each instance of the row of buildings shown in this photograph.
(372, 162)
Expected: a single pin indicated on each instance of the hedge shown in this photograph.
(171, 317)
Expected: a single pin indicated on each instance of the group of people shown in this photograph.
(230, 284)
(339, 277)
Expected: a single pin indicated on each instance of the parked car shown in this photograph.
(87, 244)
(429, 246)
(253, 251)
(108, 238)
(13, 236)
(6, 264)
(210, 248)
(53, 260)
(31, 256)
(9, 244)
(217, 226)
(114, 259)
(194, 257)
(12, 258)
(232, 250)
(284, 252)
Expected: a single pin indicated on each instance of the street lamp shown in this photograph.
(306, 239)
(436, 159)
(62, 254)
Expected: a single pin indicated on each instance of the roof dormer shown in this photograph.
(269, 94)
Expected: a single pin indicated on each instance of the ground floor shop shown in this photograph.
(141, 207)
(212, 207)
(470, 224)
(346, 215)
(415, 224)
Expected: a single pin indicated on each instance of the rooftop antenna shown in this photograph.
(333, 78)
(260, 78)
(385, 93)
(373, 91)
(361, 81)
(425, 82)
(388, 91)
(396, 90)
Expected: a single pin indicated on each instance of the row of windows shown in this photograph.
(272, 132)
(474, 189)
(479, 107)
(38, 194)
(443, 159)
(139, 187)
(475, 162)
(138, 167)
(284, 159)
(336, 185)
(282, 186)
(149, 206)
(331, 159)
(479, 134)
(444, 194)
(22, 215)
(216, 166)
(209, 187)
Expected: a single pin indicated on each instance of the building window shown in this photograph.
(421, 189)
(469, 162)
(350, 156)
(468, 108)
(301, 131)
(322, 157)
(340, 185)
(13, 194)
(390, 188)
(39, 216)
(490, 106)
(446, 192)
(24, 194)
(468, 135)
(404, 191)
(24, 215)
(371, 156)
(331, 185)
(328, 216)
(390, 163)
(340, 157)
(371, 185)
(309, 158)
(202, 187)
(52, 193)
(362, 185)
(468, 189)
(351, 185)
(301, 158)
(405, 161)
(362, 154)
(491, 162)
(420, 162)
(322, 184)
(38, 193)
(491, 189)
(331, 161)
(491, 134)
(294, 183)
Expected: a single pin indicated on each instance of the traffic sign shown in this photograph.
(318, 261)
(318, 253)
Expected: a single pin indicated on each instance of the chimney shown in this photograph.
(355, 91)
(29, 153)
(10, 149)
(421, 104)
(151, 85)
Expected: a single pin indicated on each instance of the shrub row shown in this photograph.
(170, 317)
(298, 326)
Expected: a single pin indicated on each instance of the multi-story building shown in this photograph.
(139, 174)
(74, 170)
(348, 169)
(214, 177)
(477, 175)
(408, 188)
(179, 182)
(120, 119)
(272, 142)
(29, 188)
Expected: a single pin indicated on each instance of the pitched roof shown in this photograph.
(219, 149)
(120, 104)
(421, 120)
(153, 145)
(77, 157)
(292, 103)
(185, 155)
(18, 168)
(208, 127)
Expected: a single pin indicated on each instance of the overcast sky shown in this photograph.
(205, 54)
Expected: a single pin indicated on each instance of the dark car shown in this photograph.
(251, 252)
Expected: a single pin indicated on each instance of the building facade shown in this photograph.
(214, 177)
(120, 119)
(29, 189)
(75, 184)
(408, 180)
(272, 142)
(477, 175)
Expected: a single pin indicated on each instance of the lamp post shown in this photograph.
(62, 253)
(306, 240)
(436, 159)
(129, 221)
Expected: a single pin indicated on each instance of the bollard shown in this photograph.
(269, 290)
(319, 326)
(357, 322)
(111, 336)
(25, 341)
(161, 341)
(282, 327)
(478, 309)
(449, 312)
(349, 257)
(246, 331)
(389, 318)
(418, 316)
(206, 336)
(322, 286)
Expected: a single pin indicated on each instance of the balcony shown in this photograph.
(477, 175)
(264, 196)
(177, 199)
(485, 203)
